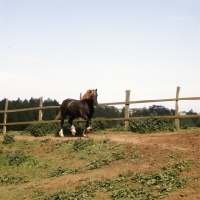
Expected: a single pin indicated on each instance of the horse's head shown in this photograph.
(91, 95)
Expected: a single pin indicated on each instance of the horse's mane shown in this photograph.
(89, 94)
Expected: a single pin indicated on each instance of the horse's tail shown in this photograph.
(59, 115)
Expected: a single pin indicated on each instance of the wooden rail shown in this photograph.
(126, 118)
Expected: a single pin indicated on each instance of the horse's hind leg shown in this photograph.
(73, 130)
(61, 130)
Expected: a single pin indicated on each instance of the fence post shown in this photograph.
(177, 123)
(126, 112)
(80, 96)
(5, 116)
(40, 111)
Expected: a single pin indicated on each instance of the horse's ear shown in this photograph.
(89, 91)
(96, 89)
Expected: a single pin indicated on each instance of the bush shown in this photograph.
(41, 129)
(151, 125)
(198, 124)
(8, 139)
(185, 127)
(120, 127)
(98, 126)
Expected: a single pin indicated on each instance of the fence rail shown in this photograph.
(126, 117)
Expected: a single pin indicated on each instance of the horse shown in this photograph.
(83, 108)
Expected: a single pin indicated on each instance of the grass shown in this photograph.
(30, 162)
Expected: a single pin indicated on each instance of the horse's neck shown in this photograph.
(88, 101)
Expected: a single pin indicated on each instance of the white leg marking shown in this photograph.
(73, 130)
(61, 133)
(85, 135)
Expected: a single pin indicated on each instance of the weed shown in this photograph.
(80, 144)
(118, 155)
(8, 179)
(61, 171)
(8, 138)
(97, 163)
(46, 140)
(174, 155)
(16, 158)
(129, 185)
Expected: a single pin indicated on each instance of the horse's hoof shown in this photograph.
(84, 135)
(87, 130)
(73, 133)
(61, 134)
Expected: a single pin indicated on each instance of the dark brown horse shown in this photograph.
(83, 108)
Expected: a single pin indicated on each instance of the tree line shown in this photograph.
(100, 111)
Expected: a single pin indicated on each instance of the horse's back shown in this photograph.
(70, 107)
(67, 102)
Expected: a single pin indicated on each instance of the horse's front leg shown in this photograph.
(88, 127)
(73, 130)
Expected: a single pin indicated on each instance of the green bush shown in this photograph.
(185, 127)
(198, 124)
(120, 127)
(8, 138)
(41, 129)
(98, 126)
(151, 125)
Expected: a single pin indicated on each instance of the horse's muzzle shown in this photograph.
(95, 103)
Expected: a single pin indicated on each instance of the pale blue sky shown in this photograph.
(60, 48)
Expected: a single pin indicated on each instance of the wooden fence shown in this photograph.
(126, 117)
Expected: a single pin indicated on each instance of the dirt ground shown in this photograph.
(154, 147)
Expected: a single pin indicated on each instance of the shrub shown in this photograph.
(198, 124)
(120, 127)
(151, 125)
(41, 129)
(185, 127)
(98, 126)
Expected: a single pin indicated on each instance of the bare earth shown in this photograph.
(154, 147)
